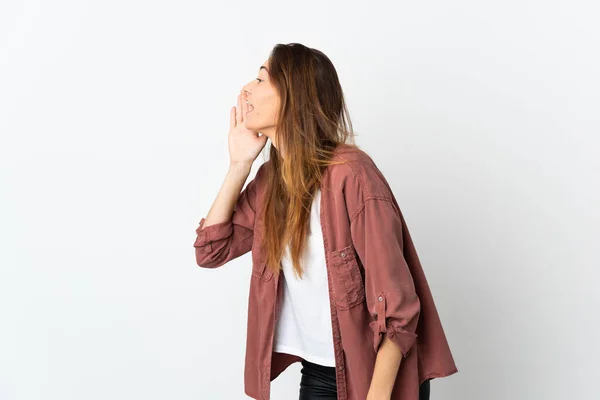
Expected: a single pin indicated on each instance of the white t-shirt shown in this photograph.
(304, 325)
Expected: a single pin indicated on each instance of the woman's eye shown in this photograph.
(259, 80)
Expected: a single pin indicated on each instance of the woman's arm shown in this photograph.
(227, 230)
(377, 235)
(387, 363)
(222, 207)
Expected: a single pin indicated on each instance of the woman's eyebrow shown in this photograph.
(263, 67)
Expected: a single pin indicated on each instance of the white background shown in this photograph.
(113, 120)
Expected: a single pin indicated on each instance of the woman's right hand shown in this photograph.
(244, 144)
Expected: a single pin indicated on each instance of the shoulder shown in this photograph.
(357, 180)
(360, 173)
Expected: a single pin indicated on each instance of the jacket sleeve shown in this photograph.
(219, 243)
(389, 287)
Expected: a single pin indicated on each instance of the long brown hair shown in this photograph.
(312, 121)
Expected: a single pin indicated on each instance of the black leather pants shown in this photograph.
(318, 383)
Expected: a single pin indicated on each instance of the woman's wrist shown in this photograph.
(240, 168)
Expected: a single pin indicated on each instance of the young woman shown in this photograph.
(336, 282)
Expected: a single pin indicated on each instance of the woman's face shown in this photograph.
(264, 104)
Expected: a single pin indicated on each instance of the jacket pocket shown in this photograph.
(260, 271)
(348, 285)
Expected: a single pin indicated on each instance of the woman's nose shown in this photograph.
(247, 87)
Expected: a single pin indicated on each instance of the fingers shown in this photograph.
(238, 111)
(231, 118)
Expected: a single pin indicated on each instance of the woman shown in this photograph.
(352, 304)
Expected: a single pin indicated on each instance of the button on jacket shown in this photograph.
(376, 283)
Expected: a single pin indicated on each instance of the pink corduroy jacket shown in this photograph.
(376, 283)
